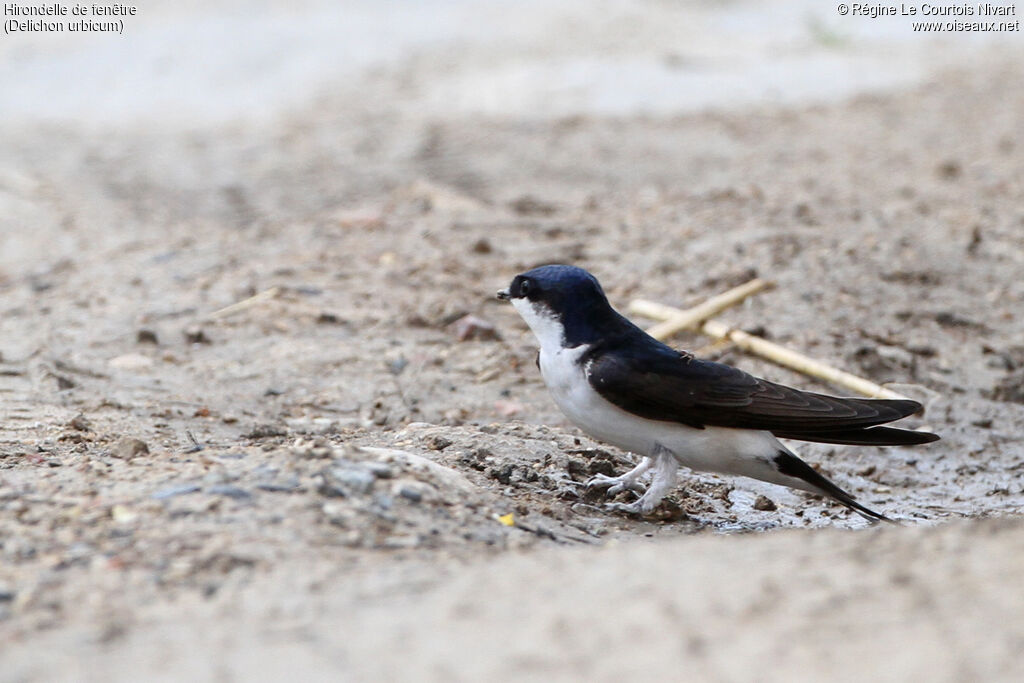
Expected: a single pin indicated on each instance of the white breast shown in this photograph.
(567, 381)
(715, 449)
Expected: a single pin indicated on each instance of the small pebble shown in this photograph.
(146, 337)
(470, 327)
(410, 494)
(326, 318)
(398, 365)
(287, 487)
(1010, 388)
(216, 477)
(127, 448)
(356, 480)
(949, 169)
(380, 470)
(230, 491)
(172, 491)
(122, 514)
(403, 542)
(764, 503)
(508, 408)
(196, 335)
(528, 205)
(236, 455)
(265, 431)
(130, 361)
(80, 423)
(329, 488)
(436, 442)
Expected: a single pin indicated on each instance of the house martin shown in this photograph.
(621, 386)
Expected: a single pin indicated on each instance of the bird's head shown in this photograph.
(563, 305)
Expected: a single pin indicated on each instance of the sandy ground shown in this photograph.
(313, 484)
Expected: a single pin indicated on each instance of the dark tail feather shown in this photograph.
(905, 406)
(873, 436)
(792, 466)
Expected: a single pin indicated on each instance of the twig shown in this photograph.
(766, 349)
(676, 320)
(196, 446)
(244, 303)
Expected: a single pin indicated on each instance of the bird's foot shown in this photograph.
(634, 508)
(664, 468)
(616, 485)
(665, 510)
(630, 481)
(644, 505)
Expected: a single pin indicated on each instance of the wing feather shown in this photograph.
(660, 383)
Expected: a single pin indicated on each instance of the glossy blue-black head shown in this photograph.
(561, 304)
(557, 286)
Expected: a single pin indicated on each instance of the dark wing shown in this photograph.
(659, 383)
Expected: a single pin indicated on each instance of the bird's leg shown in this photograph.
(665, 467)
(628, 481)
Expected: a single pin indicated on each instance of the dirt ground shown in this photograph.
(315, 483)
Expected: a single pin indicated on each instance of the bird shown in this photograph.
(625, 388)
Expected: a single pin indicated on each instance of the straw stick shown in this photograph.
(679, 320)
(244, 303)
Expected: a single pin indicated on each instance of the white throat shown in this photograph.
(545, 324)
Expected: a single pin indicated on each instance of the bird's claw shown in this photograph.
(635, 508)
(615, 485)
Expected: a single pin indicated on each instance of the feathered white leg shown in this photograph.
(665, 467)
(628, 481)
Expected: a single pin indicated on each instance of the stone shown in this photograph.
(127, 448)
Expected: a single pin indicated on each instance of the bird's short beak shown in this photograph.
(503, 294)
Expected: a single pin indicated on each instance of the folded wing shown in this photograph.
(660, 383)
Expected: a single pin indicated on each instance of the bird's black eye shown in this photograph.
(525, 287)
